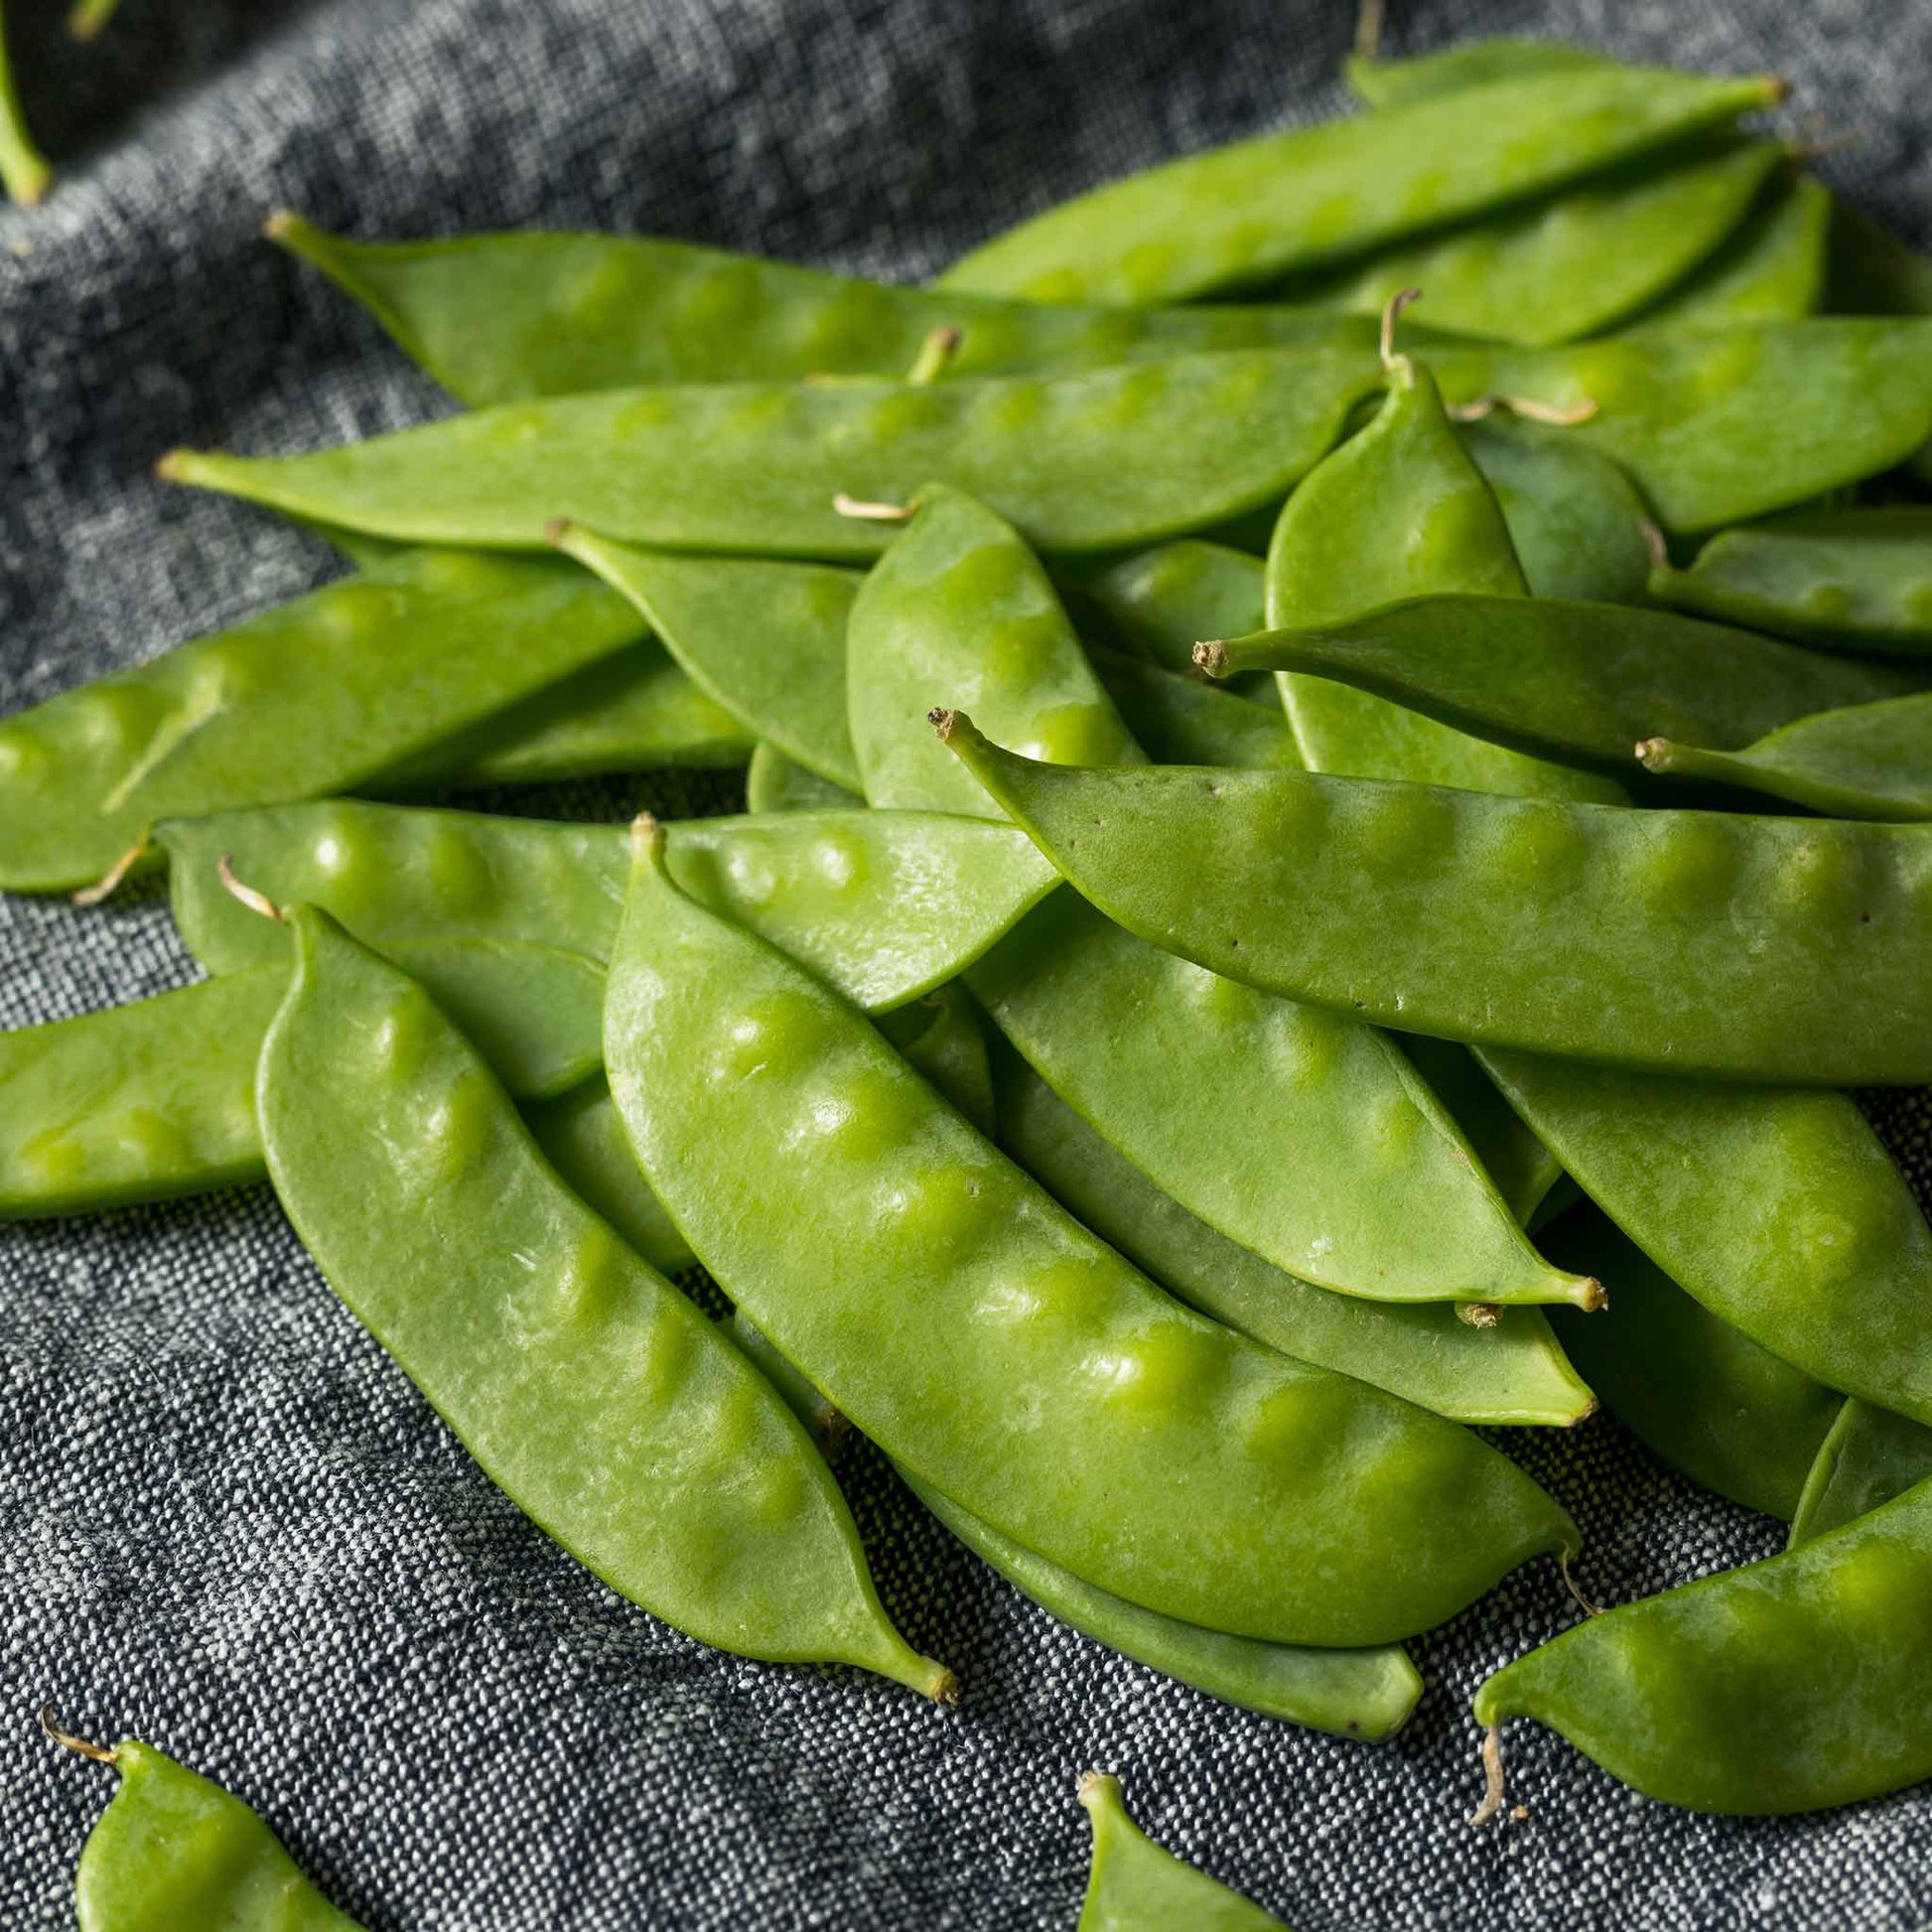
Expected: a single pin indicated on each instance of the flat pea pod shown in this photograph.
(1136, 1885)
(1095, 461)
(944, 1038)
(1791, 951)
(1871, 272)
(1423, 1352)
(996, 1350)
(580, 1135)
(1830, 1267)
(1249, 213)
(1719, 425)
(1771, 270)
(156, 1099)
(1163, 601)
(1869, 761)
(316, 696)
(773, 783)
(1379, 83)
(852, 894)
(1790, 1685)
(586, 1386)
(506, 316)
(1855, 579)
(1571, 264)
(763, 639)
(1182, 721)
(1696, 1391)
(1584, 682)
(1868, 1457)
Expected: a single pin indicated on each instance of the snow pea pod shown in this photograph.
(1379, 83)
(585, 1385)
(1771, 270)
(1163, 601)
(1829, 1266)
(763, 639)
(998, 1350)
(772, 783)
(1858, 579)
(156, 1099)
(1096, 461)
(1423, 1352)
(1794, 951)
(1578, 681)
(25, 173)
(1869, 1457)
(1789, 1685)
(580, 1135)
(1254, 211)
(1136, 1885)
(1869, 761)
(1181, 720)
(1689, 1387)
(320, 694)
(944, 1038)
(853, 894)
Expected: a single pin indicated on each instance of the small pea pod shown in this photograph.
(25, 173)
(580, 1136)
(1771, 270)
(585, 1385)
(1254, 211)
(995, 1349)
(1793, 951)
(1868, 1457)
(1379, 83)
(773, 783)
(1790, 1685)
(1857, 578)
(1137, 1886)
(1098, 461)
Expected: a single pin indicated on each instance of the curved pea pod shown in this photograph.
(1858, 579)
(1869, 761)
(1137, 1886)
(1571, 264)
(1423, 1352)
(1792, 952)
(580, 1135)
(1002, 1354)
(1790, 1685)
(25, 173)
(1254, 211)
(1163, 601)
(852, 894)
(155, 1100)
(319, 695)
(1098, 460)
(1868, 1457)
(773, 783)
(1719, 425)
(761, 638)
(1699, 1393)
(1780, 1211)
(1575, 681)
(1871, 272)
(1771, 270)
(586, 1386)
(1181, 720)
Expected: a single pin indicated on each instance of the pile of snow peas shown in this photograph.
(1311, 879)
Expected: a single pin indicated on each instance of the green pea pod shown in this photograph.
(316, 696)
(1829, 1264)
(763, 639)
(1098, 460)
(585, 1385)
(155, 1100)
(1688, 1386)
(1181, 720)
(1869, 761)
(1002, 1354)
(1163, 601)
(173, 1850)
(1423, 1352)
(1771, 270)
(1868, 1457)
(1454, 70)
(1568, 265)
(1793, 951)
(943, 1037)
(1789, 1685)
(1137, 1886)
(1254, 211)
(580, 1135)
(1871, 272)
(850, 893)
(1578, 681)
(772, 783)
(25, 173)
(822, 1423)
(1858, 579)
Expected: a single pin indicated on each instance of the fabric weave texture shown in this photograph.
(227, 1523)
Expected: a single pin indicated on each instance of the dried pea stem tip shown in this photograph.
(857, 506)
(109, 883)
(936, 354)
(1211, 657)
(1561, 415)
(1569, 1584)
(100, 1754)
(248, 895)
(1398, 367)
(1492, 1776)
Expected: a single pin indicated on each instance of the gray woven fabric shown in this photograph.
(227, 1523)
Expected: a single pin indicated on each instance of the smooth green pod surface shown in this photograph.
(1137, 1886)
(1513, 1373)
(580, 1136)
(585, 1385)
(25, 173)
(1771, 270)
(316, 696)
(1087, 462)
(997, 1350)
(1789, 1685)
(1380, 83)
(944, 1038)
(1258, 209)
(1795, 951)
(1868, 1457)
(1163, 601)
(1180, 720)
(773, 783)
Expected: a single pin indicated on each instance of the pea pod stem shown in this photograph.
(100, 1754)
